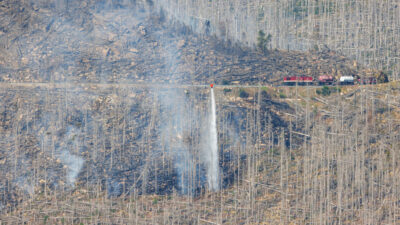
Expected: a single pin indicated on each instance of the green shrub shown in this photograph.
(155, 201)
(225, 82)
(281, 95)
(243, 93)
(381, 110)
(383, 77)
(45, 219)
(325, 91)
(226, 90)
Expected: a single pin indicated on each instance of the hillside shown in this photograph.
(105, 110)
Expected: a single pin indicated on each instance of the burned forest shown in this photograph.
(161, 112)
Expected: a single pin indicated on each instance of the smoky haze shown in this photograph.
(106, 138)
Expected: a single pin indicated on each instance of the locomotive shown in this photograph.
(326, 80)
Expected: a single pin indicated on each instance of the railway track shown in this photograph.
(70, 85)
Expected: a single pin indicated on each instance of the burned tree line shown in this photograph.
(367, 31)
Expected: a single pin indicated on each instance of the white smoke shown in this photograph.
(173, 126)
(24, 183)
(73, 163)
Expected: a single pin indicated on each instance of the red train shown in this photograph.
(299, 80)
(327, 80)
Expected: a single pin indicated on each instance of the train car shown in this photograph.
(346, 80)
(299, 80)
(326, 80)
(367, 80)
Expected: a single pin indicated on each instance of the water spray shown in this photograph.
(213, 169)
